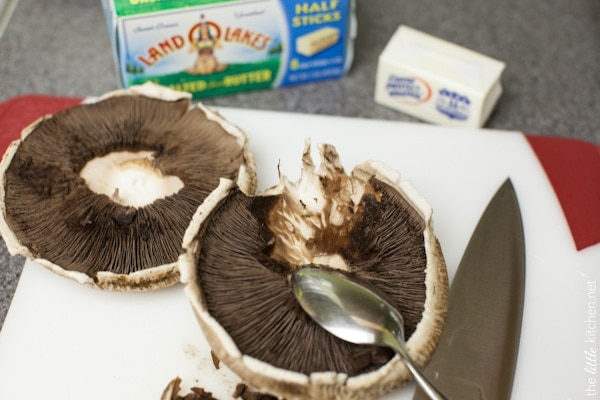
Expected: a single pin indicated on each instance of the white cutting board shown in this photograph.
(65, 341)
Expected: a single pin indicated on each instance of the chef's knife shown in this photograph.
(477, 352)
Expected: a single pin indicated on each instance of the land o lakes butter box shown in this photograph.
(219, 47)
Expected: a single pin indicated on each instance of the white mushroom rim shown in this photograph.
(309, 195)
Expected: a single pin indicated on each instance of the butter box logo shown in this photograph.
(408, 89)
(203, 39)
(453, 105)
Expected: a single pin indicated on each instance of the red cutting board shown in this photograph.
(61, 340)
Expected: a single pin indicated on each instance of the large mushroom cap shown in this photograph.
(103, 192)
(369, 224)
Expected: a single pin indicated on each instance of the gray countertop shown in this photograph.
(551, 82)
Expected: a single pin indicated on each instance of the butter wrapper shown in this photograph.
(220, 47)
(437, 81)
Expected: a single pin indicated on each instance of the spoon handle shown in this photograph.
(423, 381)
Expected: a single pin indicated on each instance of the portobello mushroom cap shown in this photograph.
(241, 250)
(103, 192)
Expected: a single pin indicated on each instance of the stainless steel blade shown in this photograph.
(477, 352)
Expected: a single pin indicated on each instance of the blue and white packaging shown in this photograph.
(219, 47)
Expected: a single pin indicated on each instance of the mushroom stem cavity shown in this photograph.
(129, 178)
(313, 217)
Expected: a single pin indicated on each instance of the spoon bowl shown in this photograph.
(355, 312)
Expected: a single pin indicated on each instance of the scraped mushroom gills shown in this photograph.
(362, 224)
(110, 187)
(253, 269)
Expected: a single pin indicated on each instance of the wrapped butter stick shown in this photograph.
(437, 81)
(316, 41)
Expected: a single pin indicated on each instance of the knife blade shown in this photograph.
(477, 352)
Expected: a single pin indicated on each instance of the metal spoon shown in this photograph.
(356, 313)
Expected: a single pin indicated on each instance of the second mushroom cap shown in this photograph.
(369, 224)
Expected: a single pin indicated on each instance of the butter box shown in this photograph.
(219, 47)
(437, 81)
